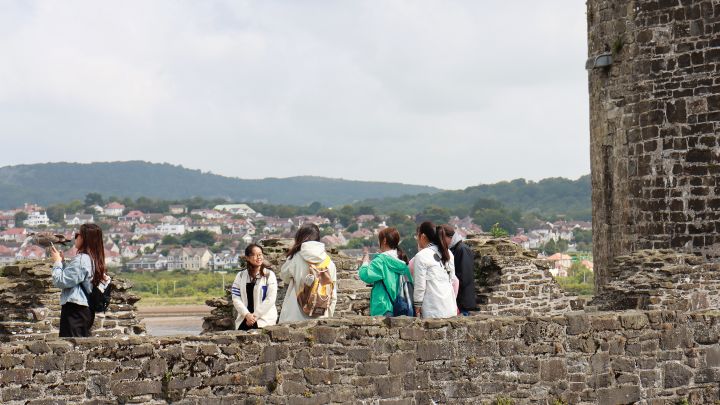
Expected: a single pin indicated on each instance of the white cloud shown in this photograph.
(447, 93)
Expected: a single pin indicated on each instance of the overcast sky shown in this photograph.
(443, 93)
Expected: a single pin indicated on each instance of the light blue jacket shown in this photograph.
(77, 272)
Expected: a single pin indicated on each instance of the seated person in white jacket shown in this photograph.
(434, 267)
(254, 292)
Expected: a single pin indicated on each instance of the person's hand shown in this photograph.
(366, 255)
(250, 319)
(418, 312)
(55, 255)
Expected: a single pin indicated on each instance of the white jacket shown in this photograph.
(265, 310)
(294, 271)
(433, 284)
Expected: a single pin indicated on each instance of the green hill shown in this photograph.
(552, 196)
(51, 183)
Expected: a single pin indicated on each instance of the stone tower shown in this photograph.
(654, 127)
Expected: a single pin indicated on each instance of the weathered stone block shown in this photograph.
(676, 375)
(619, 395)
(428, 351)
(129, 389)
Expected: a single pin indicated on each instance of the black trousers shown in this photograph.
(76, 320)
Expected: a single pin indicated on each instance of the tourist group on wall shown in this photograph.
(437, 283)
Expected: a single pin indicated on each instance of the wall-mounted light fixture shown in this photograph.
(601, 61)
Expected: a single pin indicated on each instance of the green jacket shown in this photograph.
(388, 269)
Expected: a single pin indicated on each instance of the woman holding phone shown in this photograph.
(77, 279)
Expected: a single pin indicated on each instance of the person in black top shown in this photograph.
(464, 270)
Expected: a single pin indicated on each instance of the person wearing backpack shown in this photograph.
(434, 267)
(311, 278)
(78, 279)
(385, 273)
(254, 291)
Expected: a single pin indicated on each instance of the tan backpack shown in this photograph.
(315, 291)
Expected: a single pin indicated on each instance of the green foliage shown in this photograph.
(550, 247)
(548, 197)
(171, 240)
(580, 280)
(583, 239)
(198, 238)
(52, 183)
(504, 401)
(488, 213)
(20, 217)
(433, 213)
(93, 199)
(498, 232)
(562, 245)
(358, 243)
(56, 213)
(169, 284)
(618, 45)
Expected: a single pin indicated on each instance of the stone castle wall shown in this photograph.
(31, 305)
(656, 357)
(654, 124)
(510, 281)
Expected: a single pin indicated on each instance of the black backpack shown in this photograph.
(98, 301)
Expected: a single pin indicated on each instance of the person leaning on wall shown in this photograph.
(464, 270)
(307, 251)
(384, 272)
(434, 269)
(77, 279)
(254, 292)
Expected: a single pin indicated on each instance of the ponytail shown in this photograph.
(436, 235)
(402, 256)
(442, 244)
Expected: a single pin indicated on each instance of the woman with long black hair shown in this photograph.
(434, 267)
(78, 278)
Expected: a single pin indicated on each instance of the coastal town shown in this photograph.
(213, 238)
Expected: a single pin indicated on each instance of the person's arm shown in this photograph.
(370, 272)
(73, 274)
(420, 277)
(269, 302)
(333, 301)
(235, 290)
(286, 273)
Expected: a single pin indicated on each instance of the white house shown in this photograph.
(170, 229)
(154, 262)
(113, 209)
(78, 219)
(14, 235)
(177, 209)
(214, 228)
(236, 209)
(225, 260)
(37, 218)
(208, 214)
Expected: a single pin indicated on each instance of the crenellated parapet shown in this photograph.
(31, 305)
